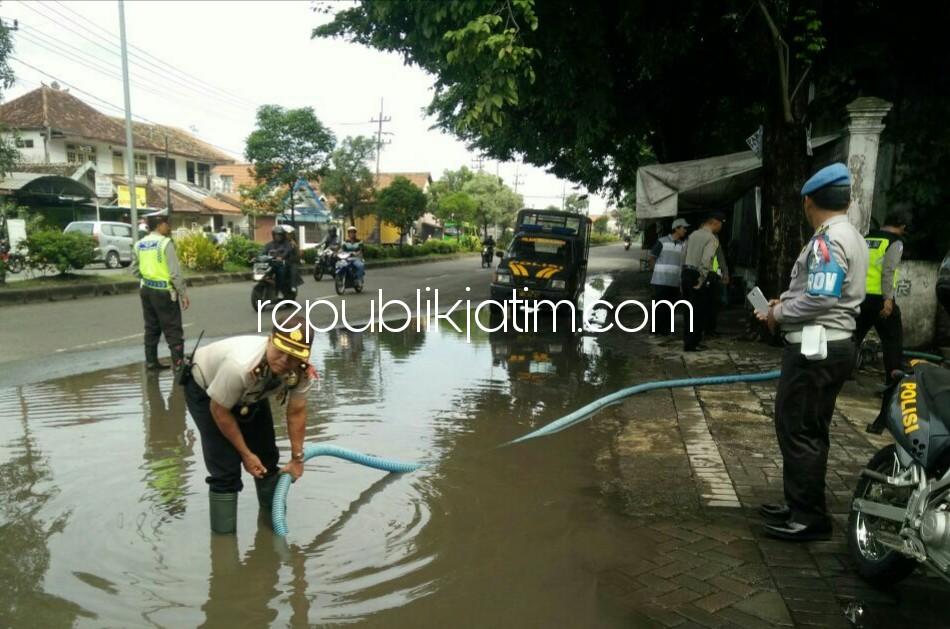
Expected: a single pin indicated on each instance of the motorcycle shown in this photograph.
(325, 263)
(344, 274)
(488, 252)
(265, 277)
(626, 243)
(13, 262)
(900, 514)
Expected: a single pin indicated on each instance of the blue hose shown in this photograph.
(279, 505)
(279, 508)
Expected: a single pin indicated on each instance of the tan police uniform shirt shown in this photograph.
(828, 279)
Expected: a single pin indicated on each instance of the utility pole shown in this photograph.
(563, 195)
(168, 186)
(379, 135)
(478, 163)
(129, 148)
(379, 149)
(518, 178)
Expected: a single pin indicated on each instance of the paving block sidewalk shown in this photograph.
(695, 464)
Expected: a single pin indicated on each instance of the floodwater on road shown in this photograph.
(104, 508)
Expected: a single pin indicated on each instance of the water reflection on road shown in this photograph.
(104, 506)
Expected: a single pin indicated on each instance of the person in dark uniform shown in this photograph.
(699, 257)
(282, 249)
(162, 292)
(879, 308)
(228, 392)
(816, 317)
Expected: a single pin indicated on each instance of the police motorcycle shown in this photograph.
(900, 514)
(264, 268)
(325, 263)
(627, 241)
(488, 254)
(344, 273)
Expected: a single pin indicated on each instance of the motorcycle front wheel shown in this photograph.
(15, 264)
(339, 283)
(358, 286)
(318, 271)
(876, 563)
(263, 292)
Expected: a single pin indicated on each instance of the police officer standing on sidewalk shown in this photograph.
(879, 308)
(162, 291)
(816, 316)
(698, 259)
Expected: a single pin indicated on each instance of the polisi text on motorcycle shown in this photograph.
(909, 406)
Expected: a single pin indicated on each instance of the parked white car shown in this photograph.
(113, 240)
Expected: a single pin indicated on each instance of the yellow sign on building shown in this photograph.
(124, 200)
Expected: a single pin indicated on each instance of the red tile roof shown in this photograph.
(48, 107)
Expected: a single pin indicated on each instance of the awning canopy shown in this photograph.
(50, 187)
(667, 189)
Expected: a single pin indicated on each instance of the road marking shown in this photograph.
(709, 470)
(106, 342)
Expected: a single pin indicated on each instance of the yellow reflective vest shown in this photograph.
(153, 265)
(878, 242)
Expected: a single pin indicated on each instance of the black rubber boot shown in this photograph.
(151, 358)
(223, 510)
(265, 491)
(178, 359)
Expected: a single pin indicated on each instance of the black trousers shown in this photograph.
(890, 329)
(804, 403)
(162, 316)
(222, 460)
(663, 321)
(698, 300)
(713, 302)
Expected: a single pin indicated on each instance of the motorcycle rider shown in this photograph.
(282, 250)
(354, 246)
(490, 243)
(330, 246)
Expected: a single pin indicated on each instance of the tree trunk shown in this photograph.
(784, 171)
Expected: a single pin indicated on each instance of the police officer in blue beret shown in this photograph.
(816, 317)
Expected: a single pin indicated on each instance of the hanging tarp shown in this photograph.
(668, 189)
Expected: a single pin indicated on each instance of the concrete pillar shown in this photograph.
(864, 120)
(917, 296)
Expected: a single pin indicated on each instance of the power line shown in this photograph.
(184, 74)
(109, 72)
(228, 100)
(114, 107)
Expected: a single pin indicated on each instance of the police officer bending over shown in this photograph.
(155, 263)
(227, 394)
(816, 316)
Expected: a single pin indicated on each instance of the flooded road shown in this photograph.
(104, 511)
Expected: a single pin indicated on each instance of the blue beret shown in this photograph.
(834, 175)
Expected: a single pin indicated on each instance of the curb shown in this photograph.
(82, 290)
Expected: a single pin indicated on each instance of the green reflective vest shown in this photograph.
(878, 242)
(715, 261)
(153, 265)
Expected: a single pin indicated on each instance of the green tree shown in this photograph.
(401, 203)
(349, 181)
(676, 81)
(600, 224)
(494, 201)
(286, 145)
(626, 216)
(576, 203)
(458, 207)
(9, 155)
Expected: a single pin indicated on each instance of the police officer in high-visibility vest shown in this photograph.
(816, 316)
(879, 308)
(162, 291)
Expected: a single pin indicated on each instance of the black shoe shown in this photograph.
(156, 366)
(698, 348)
(779, 513)
(795, 532)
